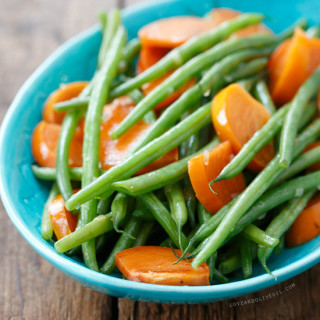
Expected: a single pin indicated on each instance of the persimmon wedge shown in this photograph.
(172, 32)
(236, 116)
(221, 15)
(63, 221)
(291, 64)
(65, 92)
(151, 264)
(112, 152)
(206, 167)
(307, 226)
(148, 57)
(44, 143)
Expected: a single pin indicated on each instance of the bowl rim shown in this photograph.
(137, 289)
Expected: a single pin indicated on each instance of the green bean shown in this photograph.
(302, 23)
(188, 98)
(185, 72)
(219, 277)
(143, 214)
(130, 51)
(132, 228)
(263, 95)
(290, 127)
(257, 187)
(91, 140)
(111, 26)
(103, 206)
(252, 147)
(248, 83)
(159, 178)
(46, 226)
(144, 233)
(119, 209)
(103, 20)
(313, 32)
(162, 215)
(246, 257)
(98, 226)
(50, 174)
(306, 160)
(203, 214)
(73, 104)
(177, 206)
(68, 129)
(234, 262)
(244, 70)
(255, 234)
(185, 52)
(275, 197)
(146, 155)
(280, 247)
(282, 222)
(309, 113)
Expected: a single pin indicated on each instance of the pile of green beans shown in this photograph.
(117, 210)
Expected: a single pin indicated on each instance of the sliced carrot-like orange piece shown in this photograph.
(206, 167)
(307, 225)
(63, 221)
(236, 116)
(291, 65)
(172, 32)
(148, 57)
(221, 15)
(44, 144)
(112, 152)
(156, 265)
(65, 92)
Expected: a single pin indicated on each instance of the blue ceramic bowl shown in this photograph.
(24, 196)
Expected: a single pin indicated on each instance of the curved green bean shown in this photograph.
(50, 174)
(91, 140)
(246, 257)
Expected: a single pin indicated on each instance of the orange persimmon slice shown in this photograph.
(236, 116)
(221, 15)
(63, 221)
(65, 92)
(156, 265)
(291, 64)
(206, 167)
(172, 32)
(307, 226)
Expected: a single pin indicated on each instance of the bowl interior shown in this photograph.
(24, 196)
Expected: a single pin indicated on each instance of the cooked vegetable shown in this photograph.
(228, 106)
(156, 265)
(63, 221)
(205, 168)
(263, 95)
(246, 258)
(64, 93)
(306, 227)
(291, 64)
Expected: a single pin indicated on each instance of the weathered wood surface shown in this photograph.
(30, 288)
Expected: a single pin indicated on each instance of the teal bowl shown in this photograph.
(24, 196)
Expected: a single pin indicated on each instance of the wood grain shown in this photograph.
(30, 288)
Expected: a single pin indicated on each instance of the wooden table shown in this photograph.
(30, 288)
